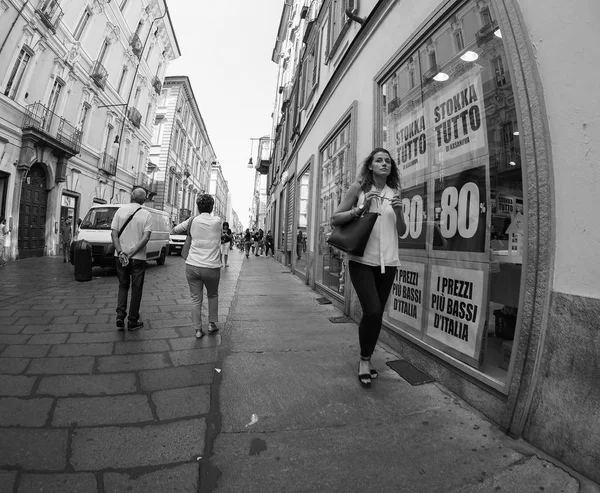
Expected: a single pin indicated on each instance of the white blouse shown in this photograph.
(205, 249)
(382, 247)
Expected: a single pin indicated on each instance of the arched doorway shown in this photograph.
(32, 213)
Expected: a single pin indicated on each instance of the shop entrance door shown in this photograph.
(32, 213)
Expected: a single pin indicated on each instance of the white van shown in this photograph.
(95, 228)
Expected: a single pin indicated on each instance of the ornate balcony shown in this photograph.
(50, 13)
(264, 155)
(136, 45)
(142, 180)
(135, 117)
(99, 75)
(157, 85)
(486, 33)
(108, 164)
(52, 128)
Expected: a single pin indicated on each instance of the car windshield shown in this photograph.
(99, 218)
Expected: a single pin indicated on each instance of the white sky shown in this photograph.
(226, 48)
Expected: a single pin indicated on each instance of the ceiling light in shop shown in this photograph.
(469, 56)
(515, 133)
(512, 163)
(497, 33)
(441, 77)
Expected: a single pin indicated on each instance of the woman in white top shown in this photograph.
(377, 189)
(203, 264)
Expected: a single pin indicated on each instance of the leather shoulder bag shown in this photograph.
(352, 237)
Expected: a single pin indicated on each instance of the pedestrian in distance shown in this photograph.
(130, 231)
(248, 240)
(66, 236)
(299, 244)
(5, 242)
(203, 263)
(260, 242)
(269, 244)
(377, 189)
(226, 239)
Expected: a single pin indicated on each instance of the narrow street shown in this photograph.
(269, 404)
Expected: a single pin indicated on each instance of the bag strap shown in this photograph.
(189, 230)
(128, 221)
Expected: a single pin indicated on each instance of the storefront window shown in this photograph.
(302, 222)
(455, 136)
(335, 181)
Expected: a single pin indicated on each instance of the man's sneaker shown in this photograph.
(135, 325)
(212, 327)
(199, 333)
(121, 323)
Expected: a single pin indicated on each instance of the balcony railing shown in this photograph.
(135, 116)
(108, 164)
(157, 85)
(50, 13)
(47, 122)
(264, 155)
(99, 75)
(136, 45)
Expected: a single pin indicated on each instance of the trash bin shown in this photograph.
(82, 260)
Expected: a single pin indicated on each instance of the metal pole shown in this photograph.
(137, 68)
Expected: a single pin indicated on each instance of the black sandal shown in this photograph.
(374, 373)
(364, 379)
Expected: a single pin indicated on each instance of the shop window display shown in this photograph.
(454, 134)
(335, 181)
(302, 222)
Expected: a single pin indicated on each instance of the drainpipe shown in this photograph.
(13, 25)
(354, 17)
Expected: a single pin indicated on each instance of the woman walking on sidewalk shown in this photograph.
(377, 189)
(203, 263)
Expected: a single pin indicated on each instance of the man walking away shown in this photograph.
(5, 245)
(66, 234)
(130, 232)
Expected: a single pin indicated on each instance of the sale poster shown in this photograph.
(456, 314)
(414, 209)
(411, 146)
(406, 299)
(460, 208)
(457, 116)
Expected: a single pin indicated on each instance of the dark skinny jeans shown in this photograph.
(132, 274)
(373, 289)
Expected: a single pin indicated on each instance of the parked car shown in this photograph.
(95, 228)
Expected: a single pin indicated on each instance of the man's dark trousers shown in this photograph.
(132, 274)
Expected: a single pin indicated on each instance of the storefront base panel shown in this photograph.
(485, 399)
(565, 415)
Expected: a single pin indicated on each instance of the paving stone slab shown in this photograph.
(58, 483)
(171, 322)
(143, 335)
(25, 351)
(132, 362)
(95, 319)
(183, 376)
(16, 385)
(94, 449)
(135, 347)
(180, 479)
(30, 413)
(13, 338)
(13, 366)
(182, 343)
(89, 338)
(7, 481)
(10, 325)
(119, 383)
(198, 356)
(61, 366)
(108, 326)
(52, 329)
(181, 403)
(48, 339)
(92, 349)
(93, 411)
(34, 449)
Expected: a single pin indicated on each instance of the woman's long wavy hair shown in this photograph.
(365, 175)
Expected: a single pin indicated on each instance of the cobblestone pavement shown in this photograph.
(84, 408)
